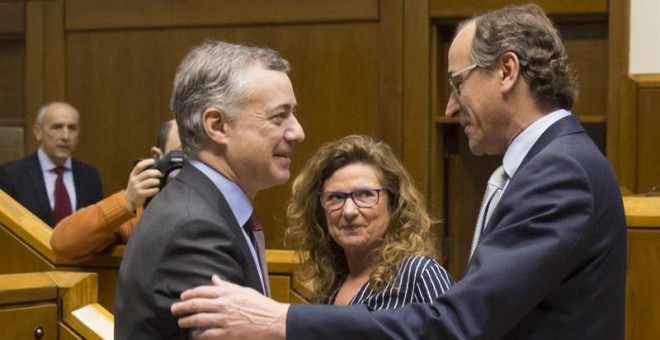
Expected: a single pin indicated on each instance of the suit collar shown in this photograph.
(200, 183)
(34, 172)
(565, 126)
(521, 145)
(47, 164)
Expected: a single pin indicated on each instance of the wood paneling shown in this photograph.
(416, 96)
(20, 322)
(12, 81)
(391, 56)
(12, 18)
(447, 9)
(620, 131)
(12, 143)
(119, 14)
(642, 295)
(34, 67)
(37, 305)
(647, 132)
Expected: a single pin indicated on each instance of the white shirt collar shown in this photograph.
(47, 164)
(238, 201)
(526, 139)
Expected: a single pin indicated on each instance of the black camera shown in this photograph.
(169, 165)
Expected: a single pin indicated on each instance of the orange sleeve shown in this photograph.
(92, 229)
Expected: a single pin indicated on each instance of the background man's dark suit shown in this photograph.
(187, 234)
(550, 265)
(24, 181)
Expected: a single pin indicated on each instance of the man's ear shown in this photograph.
(510, 70)
(156, 152)
(36, 129)
(215, 125)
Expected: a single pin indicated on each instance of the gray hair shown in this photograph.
(529, 33)
(41, 113)
(211, 75)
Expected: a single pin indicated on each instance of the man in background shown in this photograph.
(235, 108)
(49, 182)
(112, 220)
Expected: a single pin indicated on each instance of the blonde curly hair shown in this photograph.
(323, 260)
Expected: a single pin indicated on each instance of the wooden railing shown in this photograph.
(52, 305)
(26, 241)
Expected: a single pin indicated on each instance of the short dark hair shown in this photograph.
(161, 141)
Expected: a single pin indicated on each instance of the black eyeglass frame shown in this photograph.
(345, 195)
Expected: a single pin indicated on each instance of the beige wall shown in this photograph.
(644, 36)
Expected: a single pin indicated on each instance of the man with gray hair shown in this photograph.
(548, 261)
(49, 182)
(235, 108)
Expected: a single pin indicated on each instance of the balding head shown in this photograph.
(56, 128)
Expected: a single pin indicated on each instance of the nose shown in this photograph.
(295, 132)
(65, 133)
(453, 105)
(349, 208)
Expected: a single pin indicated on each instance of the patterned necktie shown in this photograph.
(62, 207)
(255, 230)
(491, 198)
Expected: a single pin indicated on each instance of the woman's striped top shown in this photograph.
(420, 279)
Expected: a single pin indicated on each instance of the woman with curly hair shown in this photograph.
(374, 248)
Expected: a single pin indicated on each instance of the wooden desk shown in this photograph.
(643, 286)
(54, 305)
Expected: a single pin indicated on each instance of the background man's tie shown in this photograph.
(491, 198)
(255, 230)
(62, 207)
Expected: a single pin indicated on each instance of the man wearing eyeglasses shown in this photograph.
(549, 254)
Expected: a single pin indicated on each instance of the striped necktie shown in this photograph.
(256, 232)
(489, 203)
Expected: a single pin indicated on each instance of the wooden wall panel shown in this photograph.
(12, 81)
(648, 130)
(120, 80)
(586, 44)
(642, 294)
(102, 14)
(460, 8)
(621, 130)
(12, 18)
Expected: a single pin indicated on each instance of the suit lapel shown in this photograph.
(565, 126)
(36, 179)
(196, 179)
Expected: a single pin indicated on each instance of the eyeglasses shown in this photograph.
(363, 198)
(455, 82)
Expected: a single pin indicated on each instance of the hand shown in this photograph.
(142, 184)
(227, 311)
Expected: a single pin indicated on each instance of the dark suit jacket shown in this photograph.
(24, 181)
(551, 264)
(187, 234)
